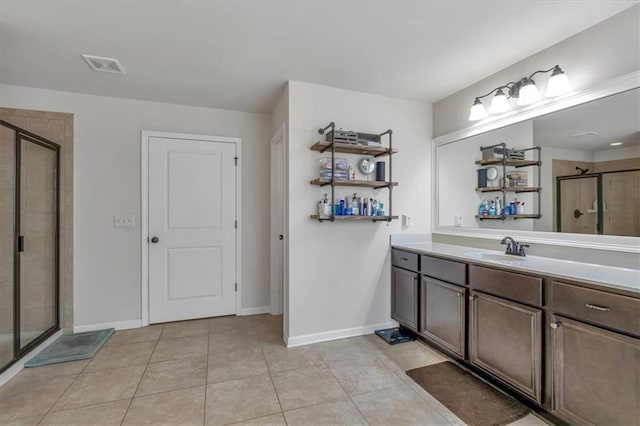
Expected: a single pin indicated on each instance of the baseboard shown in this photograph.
(118, 325)
(325, 336)
(11, 372)
(254, 311)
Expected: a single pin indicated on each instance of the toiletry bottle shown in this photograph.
(498, 206)
(352, 173)
(355, 211)
(481, 209)
(381, 209)
(492, 209)
(341, 210)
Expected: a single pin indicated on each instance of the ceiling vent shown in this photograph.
(98, 63)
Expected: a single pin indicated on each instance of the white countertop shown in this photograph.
(607, 276)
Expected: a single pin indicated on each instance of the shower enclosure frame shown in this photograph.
(18, 350)
(599, 194)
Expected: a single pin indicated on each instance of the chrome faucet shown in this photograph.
(514, 248)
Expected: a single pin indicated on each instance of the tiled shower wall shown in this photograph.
(38, 216)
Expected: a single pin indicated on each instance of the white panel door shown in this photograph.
(192, 234)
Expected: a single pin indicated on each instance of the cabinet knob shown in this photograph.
(472, 297)
(459, 294)
(554, 325)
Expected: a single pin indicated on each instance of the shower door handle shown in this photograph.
(20, 243)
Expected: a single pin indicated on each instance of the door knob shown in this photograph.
(155, 240)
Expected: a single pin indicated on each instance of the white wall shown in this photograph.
(107, 181)
(457, 178)
(622, 153)
(598, 54)
(339, 273)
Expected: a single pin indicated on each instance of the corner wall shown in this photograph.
(339, 273)
(107, 281)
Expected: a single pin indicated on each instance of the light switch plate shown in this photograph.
(406, 220)
(126, 220)
(457, 219)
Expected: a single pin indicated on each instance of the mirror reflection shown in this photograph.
(576, 170)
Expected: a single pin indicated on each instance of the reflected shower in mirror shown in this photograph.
(575, 170)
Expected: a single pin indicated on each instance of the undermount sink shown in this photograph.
(496, 256)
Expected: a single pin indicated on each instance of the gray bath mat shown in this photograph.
(71, 347)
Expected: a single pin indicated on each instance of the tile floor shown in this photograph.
(230, 370)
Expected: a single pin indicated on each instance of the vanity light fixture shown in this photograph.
(524, 90)
(616, 144)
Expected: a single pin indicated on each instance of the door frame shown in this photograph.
(275, 288)
(144, 210)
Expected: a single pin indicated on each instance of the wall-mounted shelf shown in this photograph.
(513, 216)
(509, 189)
(357, 183)
(374, 151)
(506, 162)
(511, 163)
(348, 218)
(347, 148)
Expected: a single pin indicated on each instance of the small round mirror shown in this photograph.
(492, 173)
(367, 165)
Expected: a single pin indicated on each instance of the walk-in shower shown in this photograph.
(604, 203)
(29, 241)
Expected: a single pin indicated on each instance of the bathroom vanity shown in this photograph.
(564, 335)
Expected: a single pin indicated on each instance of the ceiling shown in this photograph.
(592, 126)
(238, 55)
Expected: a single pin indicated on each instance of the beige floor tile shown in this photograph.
(397, 406)
(236, 365)
(233, 342)
(414, 358)
(31, 397)
(182, 347)
(173, 330)
(118, 356)
(101, 386)
(24, 421)
(240, 400)
(306, 386)
(529, 420)
(272, 420)
(358, 377)
(173, 374)
(340, 412)
(54, 370)
(270, 337)
(280, 358)
(136, 335)
(230, 324)
(343, 350)
(181, 407)
(110, 413)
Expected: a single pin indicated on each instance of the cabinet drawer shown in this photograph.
(611, 310)
(523, 288)
(446, 270)
(404, 259)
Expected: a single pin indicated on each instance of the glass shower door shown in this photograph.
(577, 205)
(37, 240)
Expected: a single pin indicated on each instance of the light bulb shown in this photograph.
(478, 112)
(528, 93)
(499, 103)
(558, 83)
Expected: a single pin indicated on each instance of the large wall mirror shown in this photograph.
(575, 170)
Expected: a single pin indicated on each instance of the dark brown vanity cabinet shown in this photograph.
(596, 374)
(505, 327)
(596, 370)
(404, 288)
(442, 318)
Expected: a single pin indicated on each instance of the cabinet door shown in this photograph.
(505, 340)
(442, 314)
(596, 374)
(404, 297)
